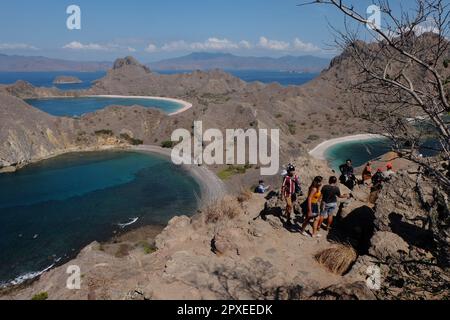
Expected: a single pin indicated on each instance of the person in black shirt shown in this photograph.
(330, 195)
(347, 174)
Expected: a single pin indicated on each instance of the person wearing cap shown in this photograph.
(288, 190)
(389, 173)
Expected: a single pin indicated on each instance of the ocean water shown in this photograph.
(52, 209)
(362, 151)
(45, 79)
(79, 106)
(284, 78)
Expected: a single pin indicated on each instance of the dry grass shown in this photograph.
(244, 195)
(227, 208)
(337, 259)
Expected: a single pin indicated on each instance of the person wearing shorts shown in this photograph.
(313, 207)
(330, 195)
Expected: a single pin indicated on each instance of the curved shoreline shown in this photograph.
(319, 151)
(185, 105)
(211, 189)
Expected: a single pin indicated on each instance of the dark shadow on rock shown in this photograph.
(270, 211)
(277, 212)
(412, 234)
(356, 229)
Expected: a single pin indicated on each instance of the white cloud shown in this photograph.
(273, 44)
(75, 45)
(301, 46)
(175, 46)
(244, 44)
(17, 46)
(427, 26)
(151, 48)
(214, 44)
(218, 44)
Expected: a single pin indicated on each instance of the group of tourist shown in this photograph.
(322, 202)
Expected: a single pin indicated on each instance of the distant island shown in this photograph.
(16, 63)
(227, 61)
(66, 80)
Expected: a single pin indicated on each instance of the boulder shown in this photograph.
(351, 291)
(387, 245)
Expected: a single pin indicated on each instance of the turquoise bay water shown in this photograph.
(50, 210)
(360, 151)
(79, 106)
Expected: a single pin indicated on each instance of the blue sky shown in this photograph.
(156, 29)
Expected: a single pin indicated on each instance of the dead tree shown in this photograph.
(403, 77)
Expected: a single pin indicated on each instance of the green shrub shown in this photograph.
(104, 132)
(292, 127)
(148, 248)
(167, 144)
(313, 137)
(40, 296)
(130, 140)
(232, 170)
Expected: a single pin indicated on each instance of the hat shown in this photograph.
(290, 168)
(389, 166)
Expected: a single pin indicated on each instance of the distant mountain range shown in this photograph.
(193, 61)
(207, 61)
(34, 63)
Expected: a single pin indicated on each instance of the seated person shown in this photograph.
(261, 188)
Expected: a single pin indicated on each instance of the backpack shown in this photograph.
(298, 188)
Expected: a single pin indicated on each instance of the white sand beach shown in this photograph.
(319, 151)
(212, 188)
(186, 105)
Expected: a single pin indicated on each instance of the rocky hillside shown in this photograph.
(303, 114)
(241, 248)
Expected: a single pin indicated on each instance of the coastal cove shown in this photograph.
(78, 106)
(54, 208)
(360, 148)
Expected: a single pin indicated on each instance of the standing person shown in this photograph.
(389, 173)
(367, 172)
(347, 174)
(313, 206)
(288, 191)
(330, 195)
